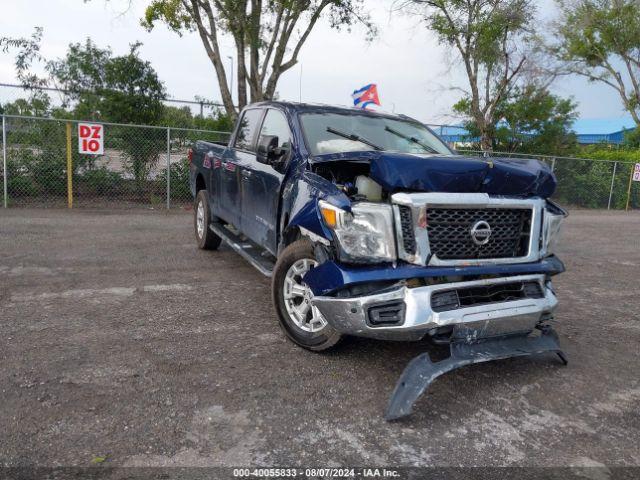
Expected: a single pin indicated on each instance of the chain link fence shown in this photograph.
(587, 183)
(140, 166)
(148, 166)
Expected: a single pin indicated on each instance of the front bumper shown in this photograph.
(351, 315)
(332, 276)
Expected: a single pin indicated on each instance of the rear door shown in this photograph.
(238, 156)
(261, 185)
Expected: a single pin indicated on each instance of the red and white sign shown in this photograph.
(636, 173)
(90, 138)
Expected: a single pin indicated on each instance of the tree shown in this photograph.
(38, 105)
(268, 36)
(177, 117)
(632, 138)
(119, 89)
(28, 52)
(600, 40)
(490, 39)
(531, 120)
(536, 121)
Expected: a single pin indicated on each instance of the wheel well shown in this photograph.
(200, 184)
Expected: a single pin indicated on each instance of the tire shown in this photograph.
(315, 334)
(207, 240)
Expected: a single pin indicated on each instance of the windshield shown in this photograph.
(337, 132)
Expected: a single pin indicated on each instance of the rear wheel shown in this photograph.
(207, 240)
(302, 322)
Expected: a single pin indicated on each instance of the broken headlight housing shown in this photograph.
(365, 235)
(552, 218)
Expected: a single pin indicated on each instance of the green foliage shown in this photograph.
(632, 138)
(616, 154)
(120, 89)
(600, 40)
(583, 183)
(141, 150)
(530, 120)
(37, 152)
(31, 172)
(183, 118)
(492, 23)
(177, 117)
(38, 105)
(218, 122)
(535, 121)
(179, 180)
(37, 162)
(584, 180)
(20, 181)
(100, 181)
(28, 53)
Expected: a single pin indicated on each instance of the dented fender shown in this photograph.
(305, 215)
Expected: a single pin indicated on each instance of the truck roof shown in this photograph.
(295, 107)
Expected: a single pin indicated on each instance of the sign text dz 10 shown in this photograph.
(90, 138)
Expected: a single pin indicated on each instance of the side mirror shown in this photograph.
(268, 151)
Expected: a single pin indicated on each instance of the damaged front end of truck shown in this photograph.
(460, 250)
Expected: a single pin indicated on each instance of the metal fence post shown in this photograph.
(553, 164)
(69, 168)
(4, 157)
(629, 189)
(613, 177)
(168, 168)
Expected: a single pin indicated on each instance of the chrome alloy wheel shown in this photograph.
(200, 219)
(297, 298)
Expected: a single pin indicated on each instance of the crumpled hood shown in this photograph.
(455, 173)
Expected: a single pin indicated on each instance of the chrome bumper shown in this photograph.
(349, 315)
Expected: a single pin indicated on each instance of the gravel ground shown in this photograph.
(124, 344)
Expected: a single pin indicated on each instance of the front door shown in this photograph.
(237, 157)
(261, 186)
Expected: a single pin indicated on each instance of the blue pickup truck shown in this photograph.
(369, 225)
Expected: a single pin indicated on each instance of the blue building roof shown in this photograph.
(458, 134)
(615, 138)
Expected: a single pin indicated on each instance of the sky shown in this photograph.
(413, 72)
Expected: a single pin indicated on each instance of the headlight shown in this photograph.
(552, 218)
(365, 235)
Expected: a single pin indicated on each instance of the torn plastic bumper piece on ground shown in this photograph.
(421, 371)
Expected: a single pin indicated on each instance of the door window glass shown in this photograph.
(275, 123)
(247, 130)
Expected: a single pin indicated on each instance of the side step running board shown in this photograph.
(246, 249)
(421, 371)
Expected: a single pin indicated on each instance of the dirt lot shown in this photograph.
(121, 340)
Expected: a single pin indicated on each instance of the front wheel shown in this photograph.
(207, 240)
(303, 323)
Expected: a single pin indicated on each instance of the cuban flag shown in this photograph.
(366, 96)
